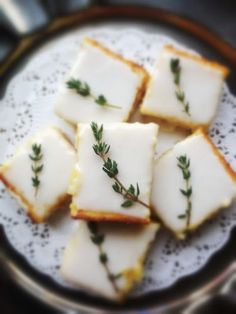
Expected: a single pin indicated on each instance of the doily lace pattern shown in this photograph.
(28, 105)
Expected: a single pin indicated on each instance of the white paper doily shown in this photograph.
(28, 105)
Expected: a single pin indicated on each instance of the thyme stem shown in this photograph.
(110, 167)
(184, 165)
(83, 89)
(36, 167)
(175, 68)
(189, 204)
(97, 238)
(125, 190)
(107, 269)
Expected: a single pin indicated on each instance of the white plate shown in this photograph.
(28, 106)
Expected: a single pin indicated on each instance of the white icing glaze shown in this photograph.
(125, 246)
(212, 186)
(201, 83)
(58, 161)
(105, 75)
(132, 147)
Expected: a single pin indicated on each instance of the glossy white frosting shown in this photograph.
(132, 147)
(58, 162)
(201, 83)
(125, 246)
(105, 75)
(212, 185)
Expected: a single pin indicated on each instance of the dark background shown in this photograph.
(218, 15)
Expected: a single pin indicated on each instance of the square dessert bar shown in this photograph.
(102, 87)
(192, 181)
(107, 259)
(185, 89)
(105, 186)
(39, 172)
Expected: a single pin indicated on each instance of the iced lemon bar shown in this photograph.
(185, 89)
(113, 175)
(192, 181)
(102, 86)
(107, 259)
(39, 172)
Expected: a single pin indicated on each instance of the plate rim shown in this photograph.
(92, 13)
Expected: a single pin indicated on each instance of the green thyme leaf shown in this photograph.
(175, 65)
(186, 107)
(183, 216)
(97, 239)
(137, 190)
(103, 258)
(80, 87)
(101, 148)
(110, 167)
(127, 203)
(177, 78)
(115, 276)
(187, 192)
(117, 188)
(35, 181)
(35, 158)
(36, 148)
(182, 159)
(37, 169)
(131, 189)
(97, 132)
(93, 227)
(186, 173)
(101, 100)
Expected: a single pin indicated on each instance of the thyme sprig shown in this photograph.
(179, 93)
(98, 238)
(36, 157)
(83, 89)
(110, 167)
(184, 165)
